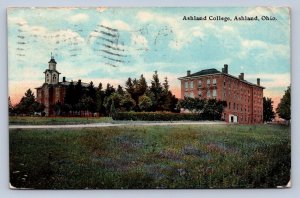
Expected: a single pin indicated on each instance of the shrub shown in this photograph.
(156, 116)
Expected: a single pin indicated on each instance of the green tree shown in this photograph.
(28, 105)
(136, 88)
(192, 104)
(115, 100)
(127, 103)
(109, 90)
(268, 113)
(145, 103)
(100, 95)
(284, 107)
(69, 97)
(169, 100)
(78, 93)
(156, 95)
(91, 92)
(10, 106)
(120, 90)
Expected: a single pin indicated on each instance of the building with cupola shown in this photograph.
(53, 90)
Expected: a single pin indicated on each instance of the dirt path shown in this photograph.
(95, 125)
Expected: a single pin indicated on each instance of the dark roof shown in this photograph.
(205, 72)
(66, 83)
(52, 60)
(51, 71)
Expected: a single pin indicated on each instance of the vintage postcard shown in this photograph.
(149, 98)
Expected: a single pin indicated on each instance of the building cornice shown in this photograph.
(195, 77)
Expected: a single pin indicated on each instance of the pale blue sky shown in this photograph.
(149, 39)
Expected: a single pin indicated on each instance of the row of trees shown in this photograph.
(27, 105)
(211, 109)
(137, 96)
(283, 109)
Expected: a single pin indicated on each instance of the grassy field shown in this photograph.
(27, 120)
(205, 156)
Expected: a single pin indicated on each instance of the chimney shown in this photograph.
(241, 77)
(258, 81)
(225, 69)
(64, 79)
(188, 72)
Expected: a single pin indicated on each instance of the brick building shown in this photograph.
(244, 99)
(53, 91)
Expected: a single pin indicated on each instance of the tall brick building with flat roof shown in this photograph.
(244, 99)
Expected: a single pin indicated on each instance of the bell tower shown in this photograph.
(51, 74)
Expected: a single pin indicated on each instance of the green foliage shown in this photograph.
(28, 105)
(284, 107)
(33, 120)
(210, 109)
(136, 88)
(157, 97)
(145, 103)
(156, 116)
(113, 102)
(10, 106)
(268, 112)
(127, 103)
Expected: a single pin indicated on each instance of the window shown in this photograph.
(192, 94)
(199, 93)
(214, 81)
(224, 82)
(208, 82)
(186, 84)
(208, 94)
(229, 105)
(192, 84)
(199, 83)
(214, 93)
(186, 94)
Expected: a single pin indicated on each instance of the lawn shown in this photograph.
(203, 156)
(27, 120)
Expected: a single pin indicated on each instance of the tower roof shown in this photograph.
(52, 60)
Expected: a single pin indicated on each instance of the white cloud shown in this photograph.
(139, 40)
(145, 16)
(78, 18)
(269, 50)
(270, 80)
(266, 11)
(117, 24)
